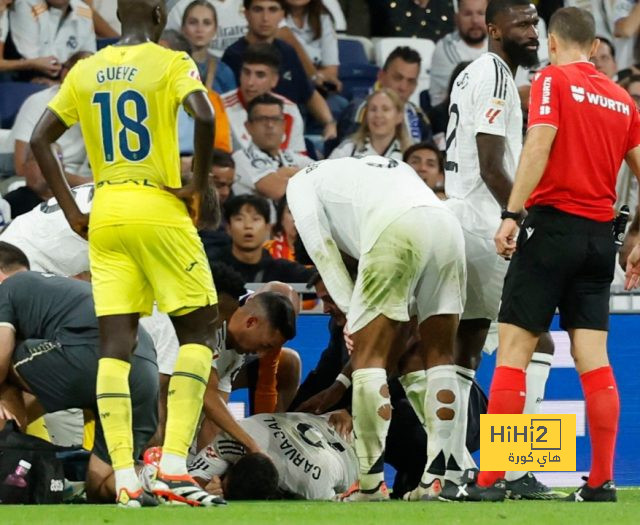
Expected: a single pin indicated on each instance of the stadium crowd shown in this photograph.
(279, 77)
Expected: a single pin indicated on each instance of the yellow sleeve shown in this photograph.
(65, 103)
(185, 78)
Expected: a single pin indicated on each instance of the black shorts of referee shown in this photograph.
(561, 261)
(64, 377)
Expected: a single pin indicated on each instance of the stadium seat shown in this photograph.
(104, 42)
(357, 79)
(355, 49)
(384, 46)
(12, 95)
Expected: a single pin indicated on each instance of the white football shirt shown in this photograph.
(484, 100)
(312, 460)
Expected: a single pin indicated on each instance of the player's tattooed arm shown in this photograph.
(47, 132)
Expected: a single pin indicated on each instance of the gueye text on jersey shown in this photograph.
(527, 434)
(126, 73)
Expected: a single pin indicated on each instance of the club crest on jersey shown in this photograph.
(492, 114)
(195, 74)
(577, 93)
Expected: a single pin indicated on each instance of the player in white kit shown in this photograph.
(484, 141)
(408, 248)
(312, 461)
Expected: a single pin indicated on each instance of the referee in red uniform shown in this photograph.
(581, 127)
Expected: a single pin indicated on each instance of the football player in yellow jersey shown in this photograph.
(142, 241)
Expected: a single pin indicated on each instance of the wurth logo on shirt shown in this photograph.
(580, 94)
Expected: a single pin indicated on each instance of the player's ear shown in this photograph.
(494, 32)
(594, 47)
(251, 322)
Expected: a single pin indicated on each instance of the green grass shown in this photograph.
(627, 510)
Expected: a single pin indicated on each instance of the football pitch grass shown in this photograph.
(625, 511)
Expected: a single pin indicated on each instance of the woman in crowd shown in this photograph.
(46, 66)
(382, 132)
(312, 25)
(199, 25)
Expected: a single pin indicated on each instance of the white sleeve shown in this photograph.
(489, 101)
(174, 19)
(28, 116)
(89, 42)
(296, 137)
(440, 70)
(4, 26)
(206, 464)
(345, 149)
(313, 227)
(329, 42)
(243, 183)
(25, 30)
(622, 8)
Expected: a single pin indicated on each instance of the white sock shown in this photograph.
(128, 479)
(441, 456)
(371, 408)
(173, 465)
(415, 387)
(465, 381)
(537, 375)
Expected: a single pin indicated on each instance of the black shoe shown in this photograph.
(528, 487)
(605, 492)
(469, 490)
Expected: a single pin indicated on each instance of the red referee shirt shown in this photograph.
(597, 124)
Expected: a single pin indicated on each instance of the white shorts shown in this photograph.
(160, 328)
(419, 256)
(485, 277)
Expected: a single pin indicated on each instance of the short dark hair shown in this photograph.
(279, 312)
(406, 53)
(247, 3)
(222, 159)
(227, 280)
(609, 44)
(234, 205)
(574, 25)
(264, 54)
(495, 7)
(314, 279)
(425, 145)
(12, 257)
(265, 99)
(252, 477)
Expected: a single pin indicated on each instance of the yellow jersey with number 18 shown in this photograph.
(126, 99)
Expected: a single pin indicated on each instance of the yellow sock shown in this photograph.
(186, 390)
(89, 430)
(114, 407)
(38, 428)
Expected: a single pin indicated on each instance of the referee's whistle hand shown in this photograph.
(632, 276)
(505, 238)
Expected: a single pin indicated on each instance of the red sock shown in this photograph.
(603, 411)
(507, 396)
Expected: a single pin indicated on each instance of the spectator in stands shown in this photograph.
(428, 162)
(466, 43)
(399, 73)
(263, 167)
(248, 224)
(71, 144)
(222, 137)
(232, 24)
(264, 17)
(605, 59)
(313, 26)
(199, 25)
(283, 234)
(626, 15)
(57, 27)
(382, 132)
(43, 65)
(430, 19)
(627, 183)
(105, 18)
(259, 75)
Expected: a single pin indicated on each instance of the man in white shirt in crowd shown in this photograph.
(307, 456)
(52, 27)
(259, 75)
(263, 167)
(377, 214)
(465, 44)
